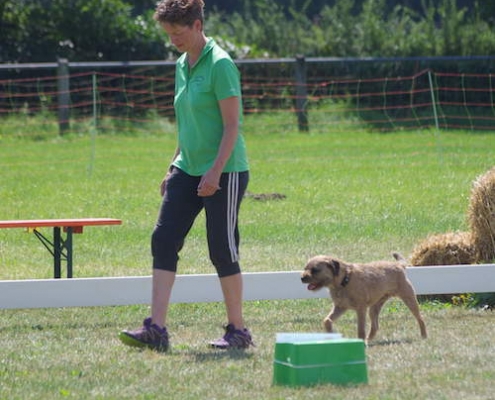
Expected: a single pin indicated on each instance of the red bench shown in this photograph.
(60, 248)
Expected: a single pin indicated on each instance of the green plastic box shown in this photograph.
(312, 360)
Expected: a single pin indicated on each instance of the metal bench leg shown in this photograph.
(57, 248)
(68, 248)
(57, 252)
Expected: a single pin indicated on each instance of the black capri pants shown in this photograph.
(180, 207)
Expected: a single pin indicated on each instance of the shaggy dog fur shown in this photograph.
(361, 287)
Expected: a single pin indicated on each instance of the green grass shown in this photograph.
(355, 194)
(75, 353)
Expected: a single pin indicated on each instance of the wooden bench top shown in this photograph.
(65, 223)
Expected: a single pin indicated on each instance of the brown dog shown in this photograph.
(361, 286)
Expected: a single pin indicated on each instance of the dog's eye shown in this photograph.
(314, 270)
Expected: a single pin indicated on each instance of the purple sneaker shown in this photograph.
(149, 336)
(233, 339)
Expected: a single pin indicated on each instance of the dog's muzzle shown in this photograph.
(311, 286)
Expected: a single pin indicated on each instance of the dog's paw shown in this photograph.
(327, 323)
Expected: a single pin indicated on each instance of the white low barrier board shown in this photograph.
(112, 291)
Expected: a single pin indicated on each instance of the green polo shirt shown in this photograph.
(200, 127)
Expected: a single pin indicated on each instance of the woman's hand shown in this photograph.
(209, 183)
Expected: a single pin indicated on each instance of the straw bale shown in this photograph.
(450, 248)
(481, 216)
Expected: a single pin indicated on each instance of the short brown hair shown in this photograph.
(180, 12)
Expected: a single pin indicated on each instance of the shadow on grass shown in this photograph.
(389, 342)
(217, 355)
(198, 356)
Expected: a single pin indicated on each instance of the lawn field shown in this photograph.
(357, 195)
(74, 353)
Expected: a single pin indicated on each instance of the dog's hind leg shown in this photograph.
(332, 317)
(408, 296)
(374, 312)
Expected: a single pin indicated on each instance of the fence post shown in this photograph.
(63, 95)
(301, 94)
(433, 101)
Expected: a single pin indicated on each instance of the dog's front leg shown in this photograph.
(361, 322)
(332, 317)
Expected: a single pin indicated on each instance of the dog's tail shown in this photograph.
(400, 258)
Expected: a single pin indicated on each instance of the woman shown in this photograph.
(209, 170)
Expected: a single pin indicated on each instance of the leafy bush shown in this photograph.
(484, 300)
(350, 28)
(41, 30)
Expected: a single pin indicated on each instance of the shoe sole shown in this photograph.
(216, 346)
(133, 342)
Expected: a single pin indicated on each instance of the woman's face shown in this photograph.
(182, 36)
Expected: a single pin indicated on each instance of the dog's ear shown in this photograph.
(334, 265)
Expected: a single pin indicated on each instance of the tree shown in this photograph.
(13, 18)
(44, 30)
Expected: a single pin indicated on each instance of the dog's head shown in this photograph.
(321, 271)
